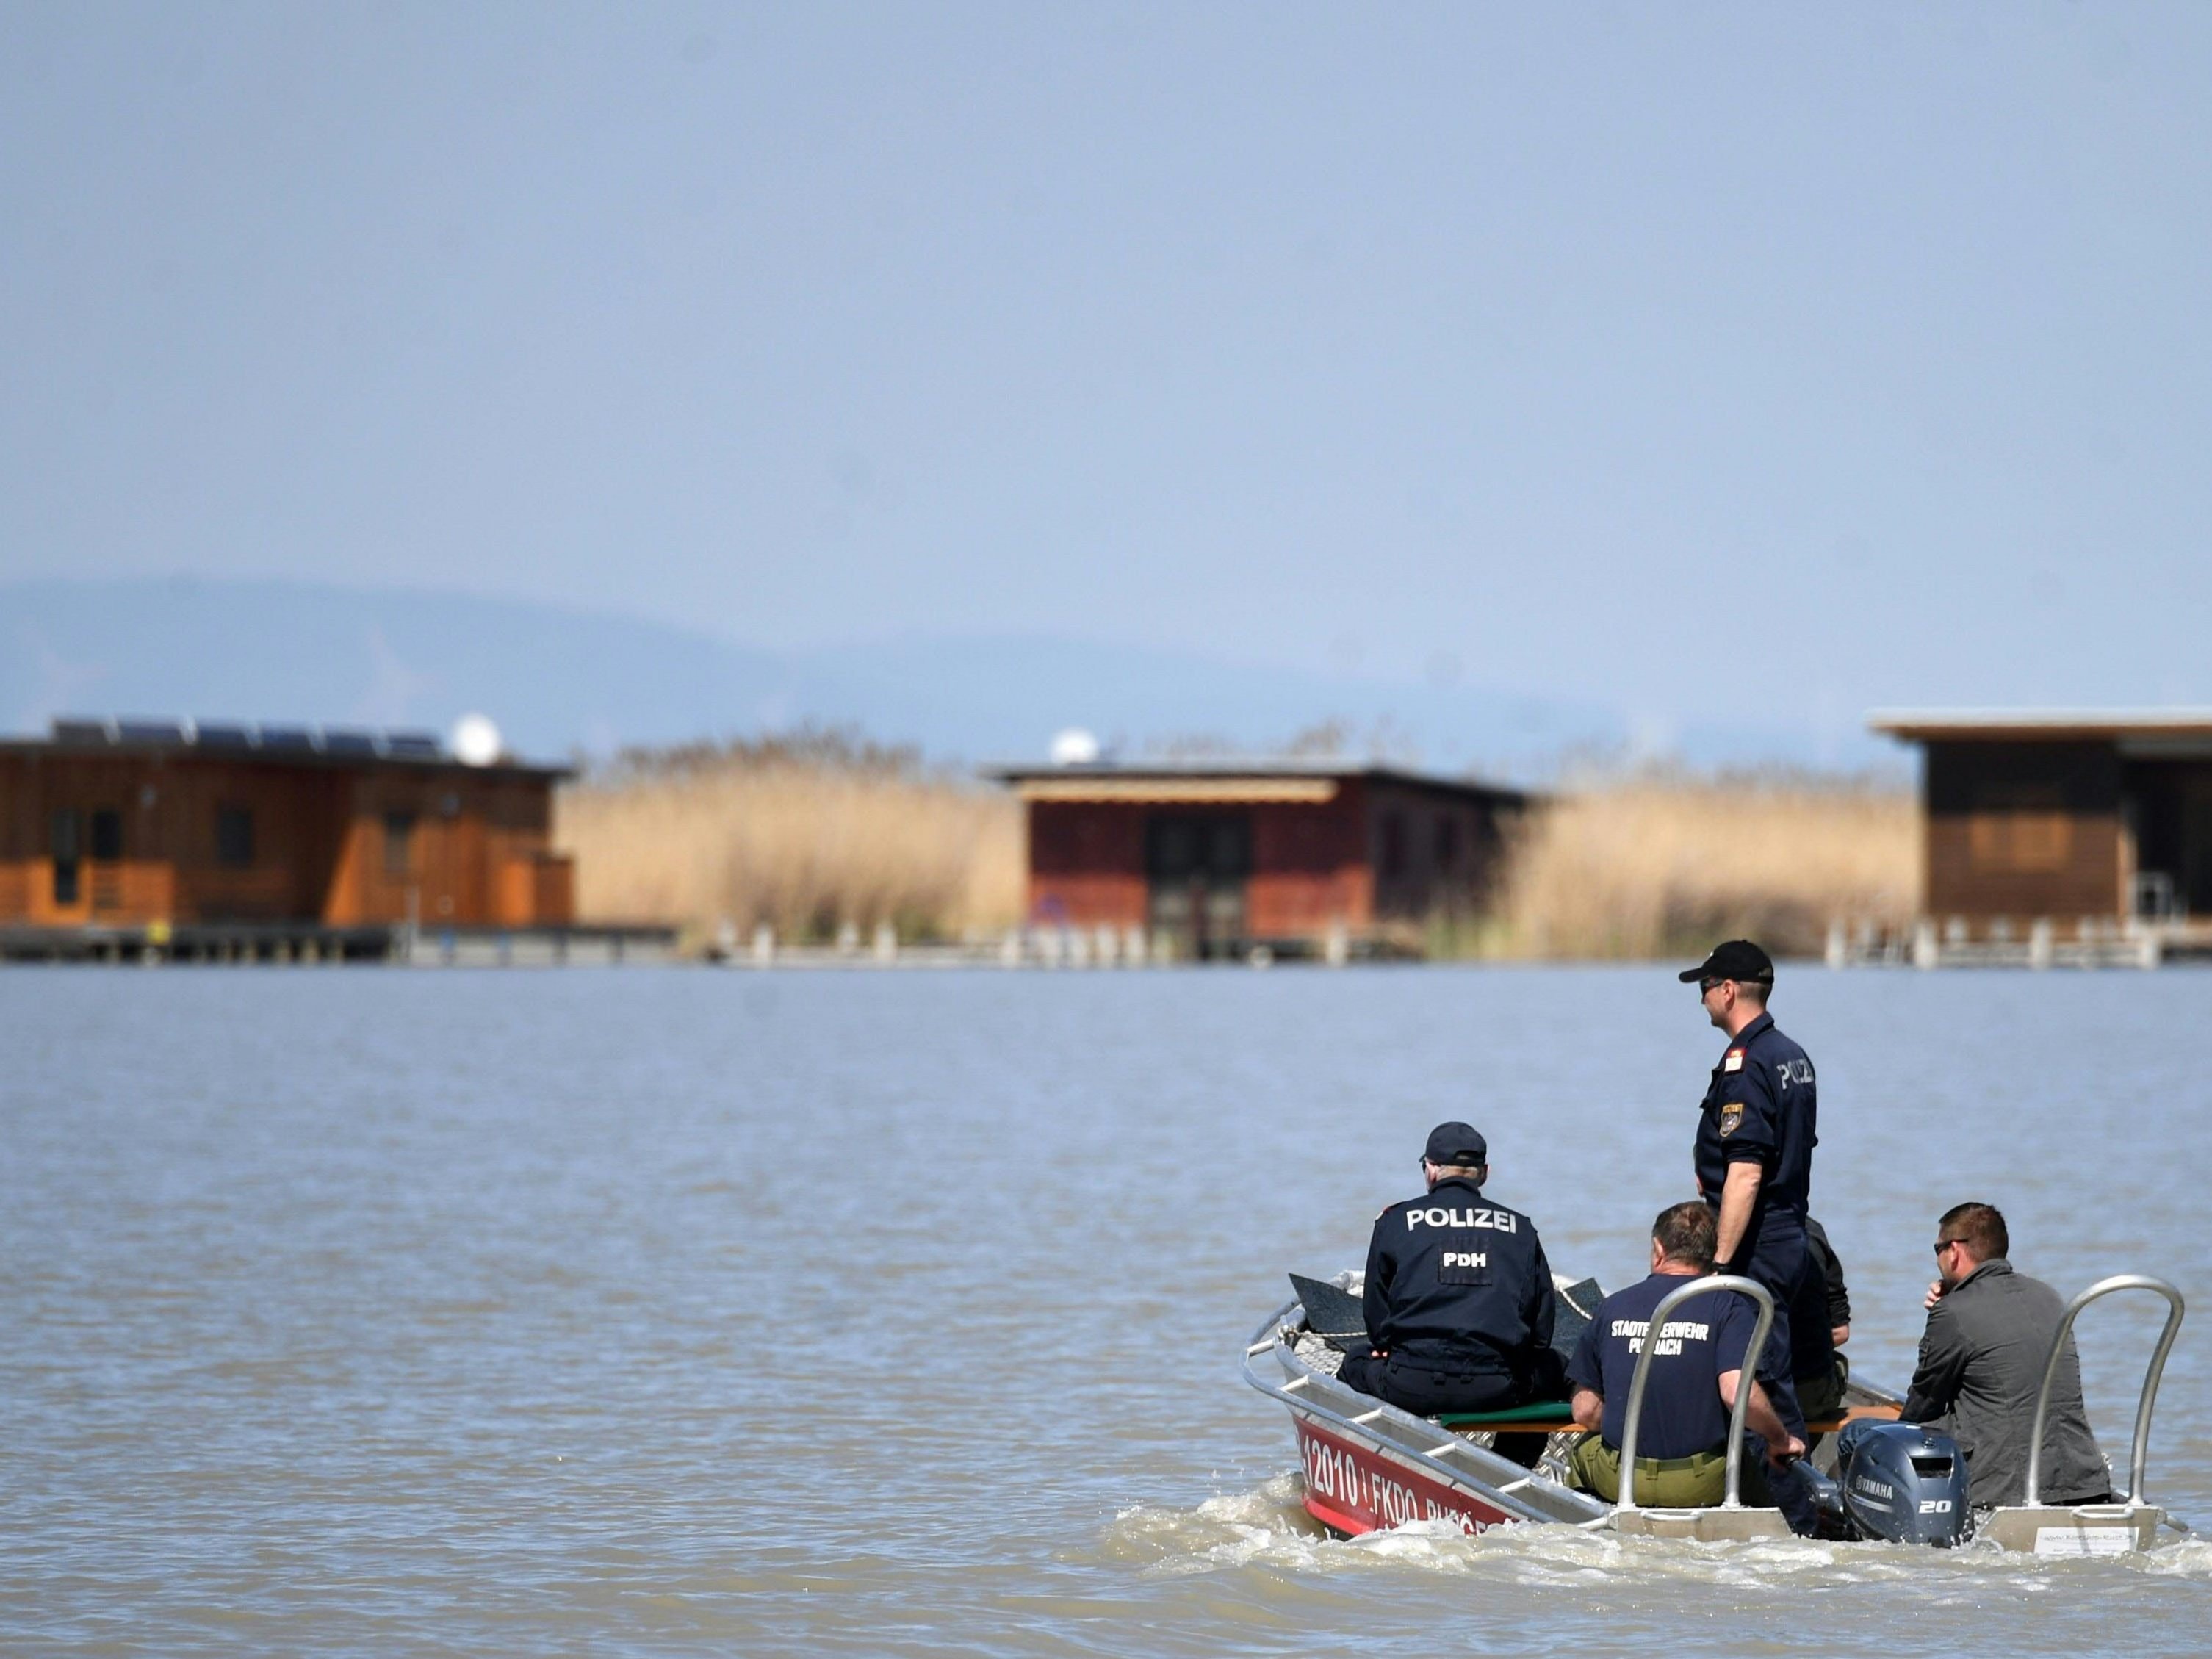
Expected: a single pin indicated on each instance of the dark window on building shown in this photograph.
(1393, 846)
(106, 835)
(1184, 847)
(1447, 842)
(233, 837)
(68, 848)
(398, 844)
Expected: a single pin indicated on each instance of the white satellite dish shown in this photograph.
(476, 740)
(1074, 747)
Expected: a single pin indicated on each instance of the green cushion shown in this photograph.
(1540, 1411)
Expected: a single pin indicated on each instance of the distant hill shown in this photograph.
(560, 681)
(263, 650)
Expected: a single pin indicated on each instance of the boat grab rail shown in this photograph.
(2140, 1455)
(1690, 1290)
(1270, 1335)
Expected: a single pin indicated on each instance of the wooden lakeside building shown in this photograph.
(1221, 859)
(154, 839)
(2063, 826)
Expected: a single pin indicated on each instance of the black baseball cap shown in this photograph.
(1457, 1143)
(1736, 958)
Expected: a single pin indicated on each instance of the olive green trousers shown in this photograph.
(1696, 1482)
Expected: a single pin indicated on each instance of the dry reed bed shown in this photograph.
(1640, 868)
(805, 837)
(811, 834)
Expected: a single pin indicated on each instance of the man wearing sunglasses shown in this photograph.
(1981, 1363)
(1757, 1128)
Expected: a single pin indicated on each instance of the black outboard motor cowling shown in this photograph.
(1903, 1484)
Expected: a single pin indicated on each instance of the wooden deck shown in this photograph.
(2042, 943)
(305, 943)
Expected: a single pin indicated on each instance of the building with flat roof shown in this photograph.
(1209, 859)
(173, 834)
(2105, 816)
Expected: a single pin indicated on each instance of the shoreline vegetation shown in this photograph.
(809, 832)
(1660, 863)
(815, 833)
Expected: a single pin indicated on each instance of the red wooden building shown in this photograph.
(193, 839)
(1216, 858)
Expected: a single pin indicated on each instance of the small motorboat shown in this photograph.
(1369, 1466)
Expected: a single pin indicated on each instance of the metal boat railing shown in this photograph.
(1297, 1394)
(1690, 1290)
(2140, 1452)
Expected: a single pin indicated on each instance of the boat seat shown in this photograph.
(1556, 1417)
(1880, 1413)
(1537, 1413)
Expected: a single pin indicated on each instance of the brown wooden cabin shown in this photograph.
(1217, 858)
(2098, 817)
(153, 830)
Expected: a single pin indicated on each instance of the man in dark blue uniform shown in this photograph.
(1756, 1132)
(1817, 1368)
(1698, 1365)
(1459, 1299)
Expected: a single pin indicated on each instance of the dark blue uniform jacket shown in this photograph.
(1682, 1410)
(1763, 1107)
(1458, 1281)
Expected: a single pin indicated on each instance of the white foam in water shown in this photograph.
(1269, 1527)
(1224, 1531)
(2189, 1557)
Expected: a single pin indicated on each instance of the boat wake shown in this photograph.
(1229, 1530)
(1269, 1528)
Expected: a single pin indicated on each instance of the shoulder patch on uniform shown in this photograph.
(1731, 1118)
(1733, 1061)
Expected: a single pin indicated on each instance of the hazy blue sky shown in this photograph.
(1668, 355)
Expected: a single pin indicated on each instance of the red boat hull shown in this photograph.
(1354, 1489)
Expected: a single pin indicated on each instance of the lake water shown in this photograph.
(693, 1312)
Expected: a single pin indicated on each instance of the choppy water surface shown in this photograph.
(687, 1312)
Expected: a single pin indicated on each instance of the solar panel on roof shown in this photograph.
(288, 739)
(343, 742)
(222, 736)
(80, 730)
(158, 731)
(413, 745)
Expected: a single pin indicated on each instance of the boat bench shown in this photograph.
(1557, 1417)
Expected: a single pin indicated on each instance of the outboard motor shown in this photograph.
(1902, 1484)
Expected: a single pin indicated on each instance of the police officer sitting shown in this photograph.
(1699, 1364)
(1459, 1299)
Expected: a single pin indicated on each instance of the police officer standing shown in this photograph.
(1459, 1300)
(1756, 1132)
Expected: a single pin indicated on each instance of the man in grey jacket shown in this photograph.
(1981, 1363)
